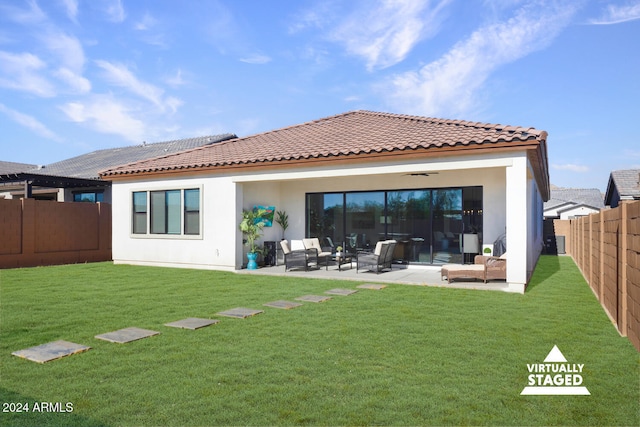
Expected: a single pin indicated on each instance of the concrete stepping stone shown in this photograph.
(343, 292)
(313, 298)
(192, 323)
(371, 286)
(283, 304)
(126, 335)
(50, 351)
(240, 312)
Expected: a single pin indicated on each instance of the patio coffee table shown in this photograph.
(343, 259)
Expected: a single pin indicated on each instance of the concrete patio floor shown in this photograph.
(400, 274)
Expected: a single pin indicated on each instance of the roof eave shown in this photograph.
(444, 151)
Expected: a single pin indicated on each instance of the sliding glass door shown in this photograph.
(364, 227)
(325, 218)
(428, 224)
(408, 222)
(447, 226)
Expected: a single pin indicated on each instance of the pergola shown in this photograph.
(30, 180)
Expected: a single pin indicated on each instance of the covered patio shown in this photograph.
(399, 274)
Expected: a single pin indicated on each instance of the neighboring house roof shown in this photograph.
(83, 170)
(627, 183)
(563, 199)
(89, 165)
(11, 167)
(358, 135)
(555, 203)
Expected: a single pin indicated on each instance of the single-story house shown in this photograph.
(351, 179)
(623, 185)
(566, 204)
(76, 179)
(569, 203)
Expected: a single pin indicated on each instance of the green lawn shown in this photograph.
(405, 355)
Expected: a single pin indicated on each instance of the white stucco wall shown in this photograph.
(216, 247)
(569, 213)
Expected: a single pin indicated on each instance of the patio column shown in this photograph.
(239, 206)
(517, 214)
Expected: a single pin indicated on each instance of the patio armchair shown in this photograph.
(298, 258)
(495, 267)
(378, 260)
(313, 244)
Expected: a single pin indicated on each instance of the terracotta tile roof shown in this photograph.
(355, 134)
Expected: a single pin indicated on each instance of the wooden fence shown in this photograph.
(40, 232)
(606, 248)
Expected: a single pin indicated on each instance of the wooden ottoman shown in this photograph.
(470, 271)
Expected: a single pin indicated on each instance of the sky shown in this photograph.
(83, 75)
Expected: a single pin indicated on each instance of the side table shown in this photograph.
(343, 259)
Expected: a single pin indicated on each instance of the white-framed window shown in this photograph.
(171, 212)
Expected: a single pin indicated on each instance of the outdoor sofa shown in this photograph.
(484, 268)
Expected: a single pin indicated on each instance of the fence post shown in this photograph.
(624, 215)
(601, 254)
(590, 256)
(28, 229)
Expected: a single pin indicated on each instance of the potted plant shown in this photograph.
(339, 251)
(283, 220)
(251, 227)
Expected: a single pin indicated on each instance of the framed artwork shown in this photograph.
(267, 218)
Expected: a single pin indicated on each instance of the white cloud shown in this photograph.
(64, 57)
(114, 10)
(71, 6)
(452, 84)
(76, 82)
(146, 23)
(616, 14)
(119, 75)
(173, 103)
(175, 80)
(34, 15)
(146, 27)
(571, 167)
(313, 18)
(29, 122)
(21, 71)
(105, 114)
(256, 59)
(384, 35)
(66, 48)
